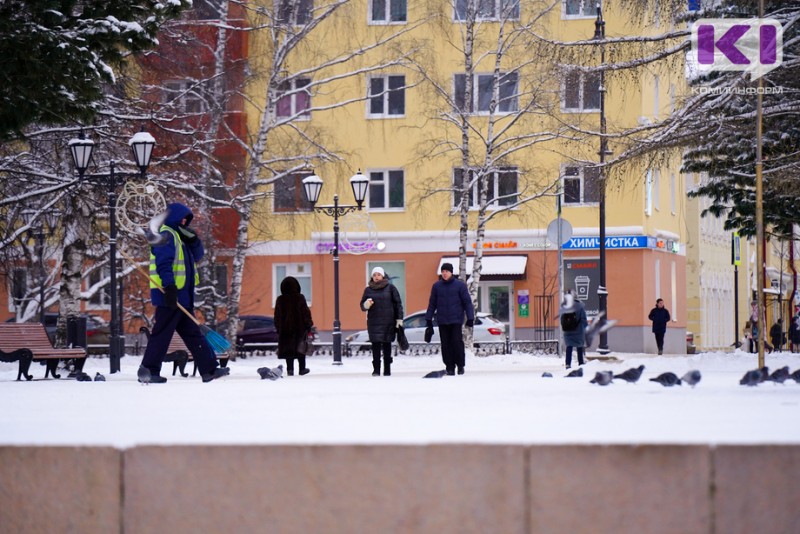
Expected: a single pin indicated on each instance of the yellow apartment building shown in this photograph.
(395, 125)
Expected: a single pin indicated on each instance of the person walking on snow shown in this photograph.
(450, 302)
(293, 322)
(173, 266)
(381, 301)
(572, 314)
(660, 317)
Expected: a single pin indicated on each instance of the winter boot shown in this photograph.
(303, 369)
(387, 367)
(290, 367)
(376, 368)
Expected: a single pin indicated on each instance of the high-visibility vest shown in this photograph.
(178, 264)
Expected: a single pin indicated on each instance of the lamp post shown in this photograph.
(81, 148)
(602, 292)
(312, 186)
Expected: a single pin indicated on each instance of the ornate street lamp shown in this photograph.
(81, 148)
(313, 186)
(602, 292)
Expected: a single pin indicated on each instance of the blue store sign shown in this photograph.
(612, 242)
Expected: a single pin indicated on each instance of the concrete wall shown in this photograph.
(415, 489)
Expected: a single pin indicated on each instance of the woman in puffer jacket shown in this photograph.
(381, 301)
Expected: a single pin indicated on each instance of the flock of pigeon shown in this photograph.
(756, 376)
(632, 375)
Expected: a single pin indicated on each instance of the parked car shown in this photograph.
(97, 330)
(260, 329)
(487, 329)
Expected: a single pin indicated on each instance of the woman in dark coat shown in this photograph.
(292, 321)
(381, 301)
(575, 337)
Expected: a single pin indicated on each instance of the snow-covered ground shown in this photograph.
(500, 399)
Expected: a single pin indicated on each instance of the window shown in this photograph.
(482, 92)
(387, 96)
(288, 193)
(294, 99)
(501, 188)
(19, 287)
(101, 299)
(580, 8)
(489, 9)
(581, 91)
(657, 190)
(387, 11)
(648, 193)
(301, 271)
(221, 279)
(395, 272)
(295, 11)
(386, 189)
(581, 185)
(185, 95)
(672, 198)
(207, 9)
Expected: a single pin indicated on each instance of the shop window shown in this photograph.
(395, 272)
(101, 299)
(581, 91)
(301, 271)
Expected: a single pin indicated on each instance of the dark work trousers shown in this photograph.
(569, 355)
(168, 322)
(660, 340)
(452, 346)
(379, 347)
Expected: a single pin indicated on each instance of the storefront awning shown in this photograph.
(492, 267)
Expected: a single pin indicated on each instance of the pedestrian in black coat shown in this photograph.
(776, 335)
(381, 301)
(660, 317)
(293, 322)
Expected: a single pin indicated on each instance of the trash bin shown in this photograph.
(76, 331)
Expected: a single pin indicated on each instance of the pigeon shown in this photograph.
(780, 375)
(272, 374)
(597, 326)
(83, 377)
(99, 378)
(436, 374)
(144, 375)
(751, 378)
(667, 379)
(547, 375)
(602, 378)
(632, 375)
(692, 377)
(576, 373)
(796, 376)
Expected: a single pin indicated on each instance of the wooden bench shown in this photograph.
(179, 354)
(28, 342)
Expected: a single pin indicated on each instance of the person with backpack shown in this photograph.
(660, 317)
(573, 319)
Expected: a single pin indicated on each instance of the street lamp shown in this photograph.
(313, 186)
(602, 292)
(81, 148)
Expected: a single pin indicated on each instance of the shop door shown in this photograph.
(495, 298)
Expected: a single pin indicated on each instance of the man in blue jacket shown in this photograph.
(450, 302)
(172, 265)
(660, 317)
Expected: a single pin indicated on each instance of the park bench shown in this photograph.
(179, 354)
(28, 342)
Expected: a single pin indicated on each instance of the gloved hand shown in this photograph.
(188, 236)
(470, 323)
(398, 323)
(171, 296)
(368, 304)
(428, 334)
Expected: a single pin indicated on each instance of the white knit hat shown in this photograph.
(378, 270)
